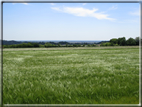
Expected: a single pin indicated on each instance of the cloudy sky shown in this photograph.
(70, 21)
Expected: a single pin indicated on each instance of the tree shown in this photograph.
(59, 45)
(131, 42)
(89, 45)
(122, 41)
(30, 45)
(79, 45)
(66, 45)
(5, 46)
(102, 44)
(74, 45)
(48, 44)
(137, 40)
(93, 45)
(40, 45)
(114, 41)
(35, 44)
(108, 44)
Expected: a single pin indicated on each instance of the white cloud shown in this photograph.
(21, 3)
(135, 13)
(56, 8)
(52, 3)
(83, 12)
(19, 0)
(84, 4)
(113, 7)
(25, 3)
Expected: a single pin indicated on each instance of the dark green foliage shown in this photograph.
(40, 45)
(137, 40)
(131, 42)
(66, 45)
(59, 45)
(122, 41)
(48, 44)
(75, 45)
(23, 45)
(63, 43)
(79, 45)
(102, 44)
(5, 46)
(89, 45)
(35, 44)
(114, 41)
(106, 44)
(70, 45)
(94, 45)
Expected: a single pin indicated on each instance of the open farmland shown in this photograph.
(95, 75)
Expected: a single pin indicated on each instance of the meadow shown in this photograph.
(88, 75)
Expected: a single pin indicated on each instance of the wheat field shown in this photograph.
(88, 75)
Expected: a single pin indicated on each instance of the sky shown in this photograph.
(70, 21)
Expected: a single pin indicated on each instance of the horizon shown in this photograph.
(57, 40)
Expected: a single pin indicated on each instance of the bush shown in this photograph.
(108, 44)
(41, 45)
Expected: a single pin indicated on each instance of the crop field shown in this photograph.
(95, 75)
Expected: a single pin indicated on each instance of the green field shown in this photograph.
(95, 75)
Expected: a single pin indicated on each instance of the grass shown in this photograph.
(71, 75)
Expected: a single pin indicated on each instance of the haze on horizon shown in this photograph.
(70, 21)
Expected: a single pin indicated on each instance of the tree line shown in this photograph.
(122, 42)
(113, 42)
(46, 45)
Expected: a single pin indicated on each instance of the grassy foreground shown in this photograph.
(71, 76)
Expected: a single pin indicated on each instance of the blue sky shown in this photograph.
(70, 21)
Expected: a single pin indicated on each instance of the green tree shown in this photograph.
(48, 44)
(30, 45)
(66, 45)
(89, 45)
(122, 41)
(107, 44)
(131, 42)
(137, 40)
(74, 45)
(35, 44)
(79, 45)
(113, 41)
(102, 44)
(94, 45)
(5, 46)
(59, 45)
(40, 45)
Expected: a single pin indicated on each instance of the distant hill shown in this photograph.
(11, 42)
(5, 42)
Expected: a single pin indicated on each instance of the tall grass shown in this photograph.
(71, 76)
